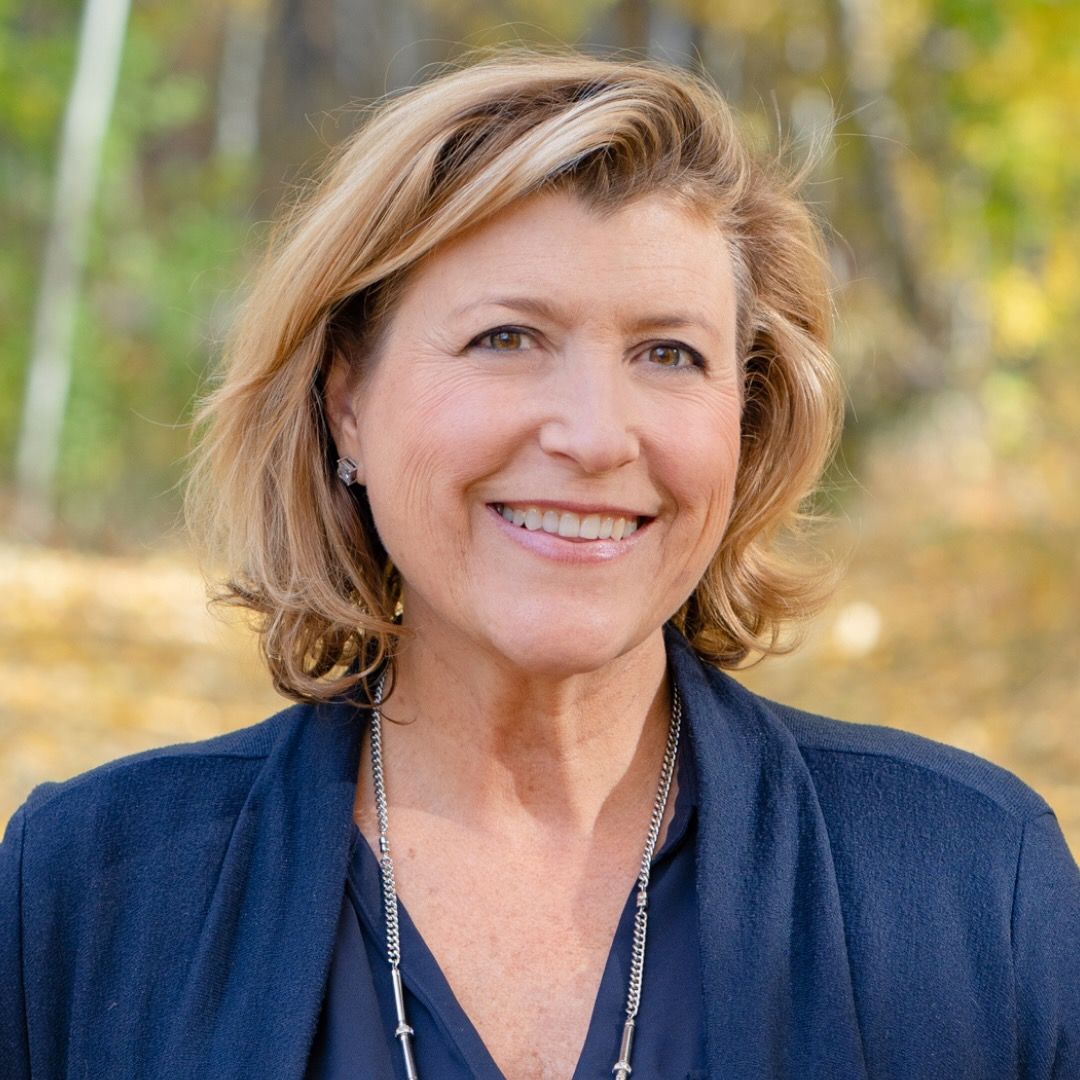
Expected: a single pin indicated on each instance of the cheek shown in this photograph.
(709, 462)
(428, 440)
(702, 453)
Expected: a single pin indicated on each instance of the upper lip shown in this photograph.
(582, 509)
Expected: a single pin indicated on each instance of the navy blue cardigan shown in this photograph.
(872, 905)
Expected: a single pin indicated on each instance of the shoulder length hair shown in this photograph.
(298, 548)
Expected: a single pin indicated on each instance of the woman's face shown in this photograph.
(549, 434)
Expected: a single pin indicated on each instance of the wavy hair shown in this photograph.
(298, 548)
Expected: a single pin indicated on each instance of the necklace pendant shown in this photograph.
(407, 1052)
(403, 1032)
(622, 1068)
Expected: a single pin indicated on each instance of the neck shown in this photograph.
(469, 738)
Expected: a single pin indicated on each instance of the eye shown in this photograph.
(670, 354)
(501, 339)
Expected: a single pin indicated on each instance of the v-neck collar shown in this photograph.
(426, 980)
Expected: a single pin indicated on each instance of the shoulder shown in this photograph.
(876, 788)
(172, 868)
(916, 809)
(180, 775)
(949, 871)
(900, 815)
(844, 754)
(855, 766)
(153, 832)
(171, 805)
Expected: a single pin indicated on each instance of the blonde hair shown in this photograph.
(300, 549)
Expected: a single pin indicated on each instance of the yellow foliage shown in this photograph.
(1021, 312)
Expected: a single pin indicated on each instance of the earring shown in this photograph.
(346, 470)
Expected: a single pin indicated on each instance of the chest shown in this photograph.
(527, 974)
(523, 942)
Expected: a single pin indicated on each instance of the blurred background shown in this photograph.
(143, 151)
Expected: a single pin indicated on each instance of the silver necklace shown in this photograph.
(403, 1032)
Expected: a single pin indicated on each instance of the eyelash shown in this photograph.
(696, 359)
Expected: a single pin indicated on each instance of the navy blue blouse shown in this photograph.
(354, 1037)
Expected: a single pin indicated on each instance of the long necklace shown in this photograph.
(403, 1032)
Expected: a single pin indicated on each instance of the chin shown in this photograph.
(547, 645)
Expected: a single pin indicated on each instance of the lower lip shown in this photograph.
(561, 549)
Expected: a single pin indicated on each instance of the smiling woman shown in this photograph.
(580, 419)
(414, 201)
(507, 450)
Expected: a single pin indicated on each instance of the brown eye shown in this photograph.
(505, 340)
(667, 355)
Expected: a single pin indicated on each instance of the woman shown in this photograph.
(528, 391)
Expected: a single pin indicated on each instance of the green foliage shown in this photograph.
(952, 192)
(165, 248)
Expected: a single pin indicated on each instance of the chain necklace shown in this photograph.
(403, 1032)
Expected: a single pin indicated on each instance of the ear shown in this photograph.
(341, 404)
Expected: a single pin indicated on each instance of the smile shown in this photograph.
(568, 525)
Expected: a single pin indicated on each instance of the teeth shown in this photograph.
(568, 525)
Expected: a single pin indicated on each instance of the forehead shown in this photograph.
(556, 247)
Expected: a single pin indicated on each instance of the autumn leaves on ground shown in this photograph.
(957, 619)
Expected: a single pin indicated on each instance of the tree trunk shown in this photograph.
(86, 120)
(672, 36)
(867, 65)
(236, 135)
(632, 19)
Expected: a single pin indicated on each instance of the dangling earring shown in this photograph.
(346, 470)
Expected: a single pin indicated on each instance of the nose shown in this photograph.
(589, 415)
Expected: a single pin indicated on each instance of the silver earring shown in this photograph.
(346, 470)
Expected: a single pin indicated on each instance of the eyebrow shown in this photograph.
(669, 320)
